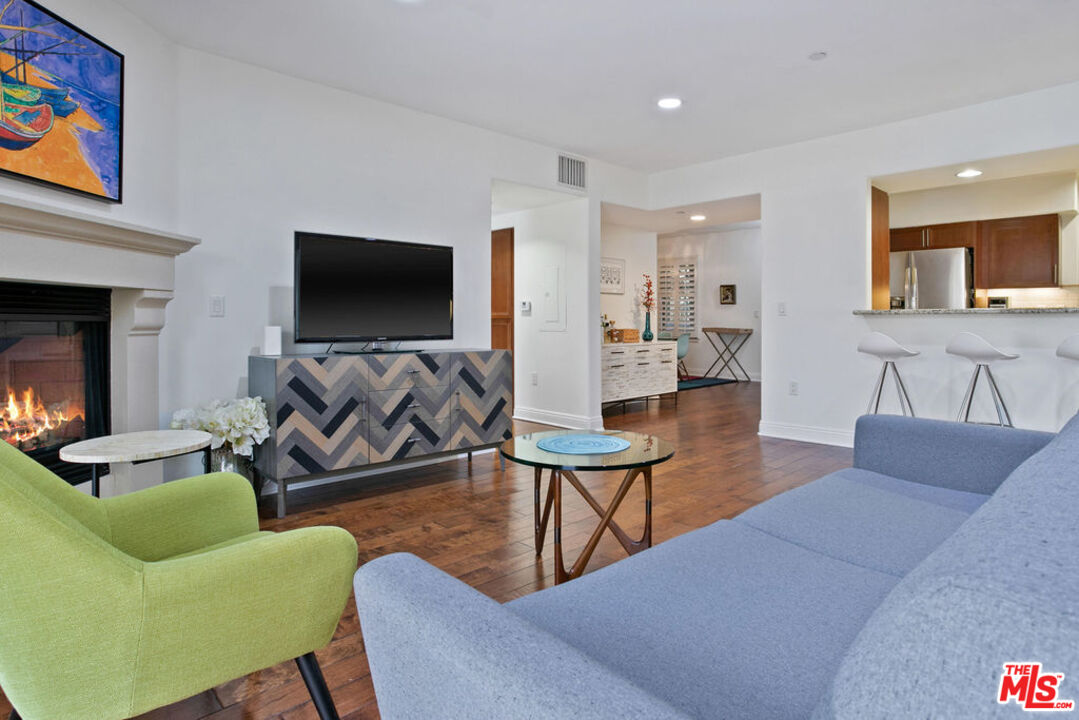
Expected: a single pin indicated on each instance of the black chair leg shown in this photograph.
(14, 715)
(316, 685)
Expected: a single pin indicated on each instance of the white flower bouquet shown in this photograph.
(240, 424)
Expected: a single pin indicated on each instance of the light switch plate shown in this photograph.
(217, 306)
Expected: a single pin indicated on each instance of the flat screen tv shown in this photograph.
(353, 289)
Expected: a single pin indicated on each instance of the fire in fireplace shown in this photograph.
(53, 370)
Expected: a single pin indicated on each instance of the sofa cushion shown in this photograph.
(1003, 589)
(725, 621)
(866, 518)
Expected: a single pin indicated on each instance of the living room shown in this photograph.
(244, 123)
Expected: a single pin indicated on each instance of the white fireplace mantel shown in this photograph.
(50, 245)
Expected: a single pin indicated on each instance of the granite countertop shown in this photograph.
(973, 311)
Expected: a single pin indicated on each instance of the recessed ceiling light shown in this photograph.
(669, 103)
(968, 173)
(817, 56)
(697, 218)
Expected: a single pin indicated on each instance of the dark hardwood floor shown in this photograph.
(475, 523)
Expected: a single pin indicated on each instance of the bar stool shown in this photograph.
(888, 350)
(1069, 348)
(978, 350)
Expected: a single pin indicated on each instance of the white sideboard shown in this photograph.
(635, 370)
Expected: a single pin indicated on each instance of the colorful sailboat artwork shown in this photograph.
(61, 103)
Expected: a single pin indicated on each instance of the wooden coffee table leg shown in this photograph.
(606, 521)
(545, 515)
(560, 574)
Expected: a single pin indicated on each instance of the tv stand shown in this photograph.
(373, 352)
(333, 414)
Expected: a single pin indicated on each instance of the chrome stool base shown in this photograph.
(900, 389)
(1003, 417)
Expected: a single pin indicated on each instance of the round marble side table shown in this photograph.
(135, 448)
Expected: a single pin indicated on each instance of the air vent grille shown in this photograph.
(572, 172)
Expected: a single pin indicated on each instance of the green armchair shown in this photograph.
(110, 608)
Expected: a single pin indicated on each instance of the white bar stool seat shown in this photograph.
(1069, 348)
(980, 352)
(888, 350)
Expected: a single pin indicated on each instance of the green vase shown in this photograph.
(647, 334)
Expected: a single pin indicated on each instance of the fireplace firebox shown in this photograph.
(54, 370)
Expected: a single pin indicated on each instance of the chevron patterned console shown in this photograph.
(332, 413)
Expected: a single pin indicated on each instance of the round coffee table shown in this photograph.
(135, 448)
(643, 452)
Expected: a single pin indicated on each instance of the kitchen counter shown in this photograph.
(973, 311)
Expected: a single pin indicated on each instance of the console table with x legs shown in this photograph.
(732, 340)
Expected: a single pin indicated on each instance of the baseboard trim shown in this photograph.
(558, 419)
(806, 433)
(753, 376)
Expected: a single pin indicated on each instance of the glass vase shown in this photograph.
(647, 334)
(223, 459)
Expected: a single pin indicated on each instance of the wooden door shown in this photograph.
(903, 239)
(502, 289)
(1021, 252)
(952, 235)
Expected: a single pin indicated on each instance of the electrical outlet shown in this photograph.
(782, 309)
(535, 378)
(217, 306)
(757, 314)
(793, 387)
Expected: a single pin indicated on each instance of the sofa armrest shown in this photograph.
(438, 648)
(183, 515)
(959, 456)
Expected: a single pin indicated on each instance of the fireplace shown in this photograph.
(54, 370)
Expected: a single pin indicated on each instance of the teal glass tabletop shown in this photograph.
(643, 450)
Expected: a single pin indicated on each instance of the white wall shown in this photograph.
(150, 107)
(257, 173)
(726, 257)
(552, 271)
(815, 224)
(638, 249)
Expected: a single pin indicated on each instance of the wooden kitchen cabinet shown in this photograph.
(904, 239)
(1021, 252)
(952, 235)
(931, 237)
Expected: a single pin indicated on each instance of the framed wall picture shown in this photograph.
(612, 276)
(61, 119)
(728, 294)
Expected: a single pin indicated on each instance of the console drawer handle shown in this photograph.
(644, 363)
(616, 366)
(645, 350)
(618, 352)
(668, 362)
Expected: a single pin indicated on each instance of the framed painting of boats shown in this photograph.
(61, 103)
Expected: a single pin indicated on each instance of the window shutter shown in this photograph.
(678, 296)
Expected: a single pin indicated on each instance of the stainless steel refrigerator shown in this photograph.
(932, 278)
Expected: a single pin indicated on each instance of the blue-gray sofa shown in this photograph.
(895, 588)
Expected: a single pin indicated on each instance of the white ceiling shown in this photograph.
(677, 219)
(583, 75)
